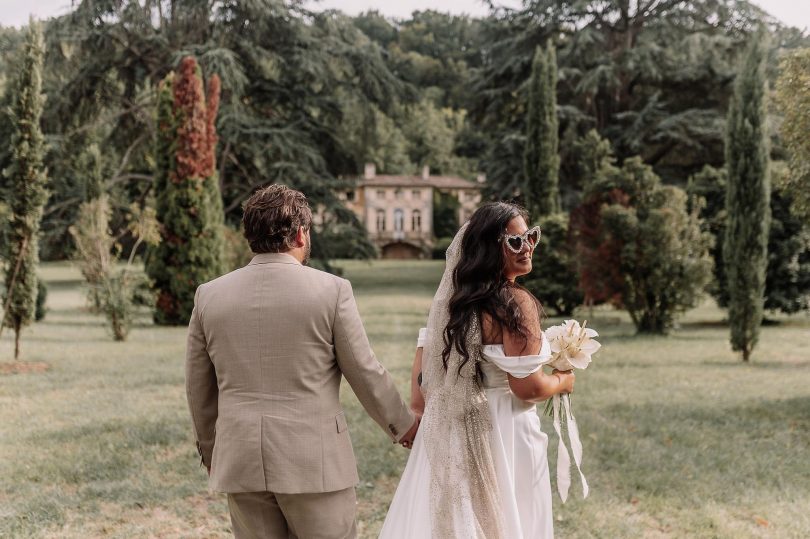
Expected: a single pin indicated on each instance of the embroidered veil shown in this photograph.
(456, 426)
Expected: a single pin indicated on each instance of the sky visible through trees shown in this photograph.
(16, 12)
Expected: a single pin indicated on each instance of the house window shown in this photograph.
(416, 194)
(399, 220)
(398, 194)
(381, 193)
(350, 196)
(469, 196)
(416, 221)
(381, 220)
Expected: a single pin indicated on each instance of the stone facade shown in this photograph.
(397, 211)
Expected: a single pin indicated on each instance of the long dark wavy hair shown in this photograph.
(479, 283)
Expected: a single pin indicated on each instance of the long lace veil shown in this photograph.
(456, 426)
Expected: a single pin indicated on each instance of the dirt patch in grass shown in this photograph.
(23, 367)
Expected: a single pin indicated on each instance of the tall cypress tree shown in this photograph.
(541, 162)
(745, 251)
(27, 179)
(188, 205)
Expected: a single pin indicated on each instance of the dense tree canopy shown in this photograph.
(652, 77)
(285, 71)
(308, 97)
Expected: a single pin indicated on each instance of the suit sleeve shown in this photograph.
(369, 380)
(201, 386)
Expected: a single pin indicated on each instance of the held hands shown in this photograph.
(407, 440)
(566, 379)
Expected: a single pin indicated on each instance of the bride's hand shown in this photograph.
(407, 440)
(566, 380)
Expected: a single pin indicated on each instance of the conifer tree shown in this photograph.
(188, 202)
(541, 162)
(27, 179)
(745, 250)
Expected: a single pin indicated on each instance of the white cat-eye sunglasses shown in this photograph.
(515, 241)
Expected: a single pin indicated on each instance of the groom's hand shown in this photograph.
(407, 440)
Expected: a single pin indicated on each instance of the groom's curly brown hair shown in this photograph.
(272, 216)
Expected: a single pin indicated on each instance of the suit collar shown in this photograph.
(274, 258)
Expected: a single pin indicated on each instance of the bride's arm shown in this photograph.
(537, 386)
(417, 398)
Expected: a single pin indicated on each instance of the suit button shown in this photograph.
(393, 429)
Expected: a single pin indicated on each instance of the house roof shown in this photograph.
(440, 182)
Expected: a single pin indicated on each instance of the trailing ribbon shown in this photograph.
(563, 405)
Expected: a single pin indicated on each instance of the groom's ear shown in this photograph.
(300, 237)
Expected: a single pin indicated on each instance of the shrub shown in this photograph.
(117, 292)
(553, 279)
(439, 250)
(237, 251)
(656, 245)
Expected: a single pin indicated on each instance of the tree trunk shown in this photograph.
(17, 330)
(651, 324)
(118, 331)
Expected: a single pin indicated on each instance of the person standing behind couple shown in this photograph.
(267, 347)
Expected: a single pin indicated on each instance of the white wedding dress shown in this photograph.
(519, 450)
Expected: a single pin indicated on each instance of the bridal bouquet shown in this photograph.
(572, 346)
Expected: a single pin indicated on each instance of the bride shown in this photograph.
(478, 468)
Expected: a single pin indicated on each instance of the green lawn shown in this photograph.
(681, 439)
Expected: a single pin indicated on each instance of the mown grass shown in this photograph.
(681, 439)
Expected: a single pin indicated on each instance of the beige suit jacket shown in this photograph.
(267, 347)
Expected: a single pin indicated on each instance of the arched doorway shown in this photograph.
(401, 250)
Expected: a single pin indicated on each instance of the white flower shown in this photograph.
(572, 345)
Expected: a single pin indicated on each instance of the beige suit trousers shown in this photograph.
(321, 515)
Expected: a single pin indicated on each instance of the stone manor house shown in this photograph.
(397, 211)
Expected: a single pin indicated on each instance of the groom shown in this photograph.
(267, 347)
